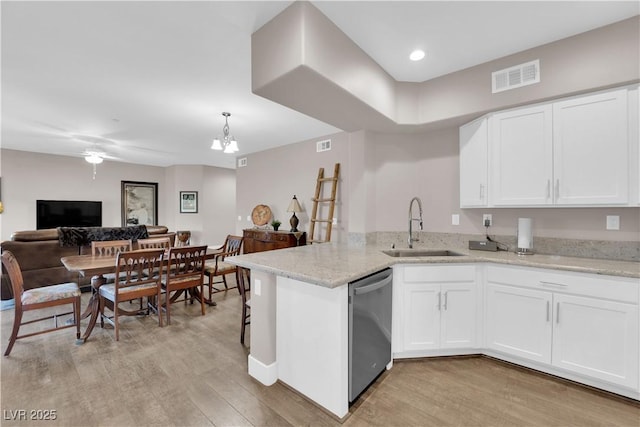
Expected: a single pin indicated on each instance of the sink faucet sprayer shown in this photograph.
(411, 219)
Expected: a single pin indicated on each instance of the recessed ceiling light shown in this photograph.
(416, 55)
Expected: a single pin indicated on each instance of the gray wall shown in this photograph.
(382, 172)
(28, 177)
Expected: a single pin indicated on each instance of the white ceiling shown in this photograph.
(146, 82)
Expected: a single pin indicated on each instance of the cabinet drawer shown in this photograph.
(592, 285)
(439, 273)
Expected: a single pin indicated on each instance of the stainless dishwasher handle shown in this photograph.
(375, 286)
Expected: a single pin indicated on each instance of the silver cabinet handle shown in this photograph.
(482, 192)
(548, 189)
(557, 313)
(548, 304)
(557, 190)
(445, 300)
(553, 284)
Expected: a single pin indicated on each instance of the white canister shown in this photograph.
(525, 236)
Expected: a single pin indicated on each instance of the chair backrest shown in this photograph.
(154, 243)
(15, 275)
(110, 247)
(233, 245)
(186, 264)
(139, 267)
(244, 283)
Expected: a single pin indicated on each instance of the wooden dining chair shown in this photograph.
(39, 298)
(138, 279)
(154, 243)
(218, 267)
(111, 248)
(243, 278)
(184, 273)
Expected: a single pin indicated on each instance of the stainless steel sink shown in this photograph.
(405, 253)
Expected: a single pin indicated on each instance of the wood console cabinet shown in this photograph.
(256, 240)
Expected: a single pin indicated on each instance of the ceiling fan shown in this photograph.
(95, 154)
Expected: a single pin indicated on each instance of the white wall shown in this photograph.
(32, 176)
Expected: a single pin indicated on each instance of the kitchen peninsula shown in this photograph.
(299, 330)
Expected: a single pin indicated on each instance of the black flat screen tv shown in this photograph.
(68, 213)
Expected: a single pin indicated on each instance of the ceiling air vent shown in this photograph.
(323, 145)
(514, 77)
(242, 162)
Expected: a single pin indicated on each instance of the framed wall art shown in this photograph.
(139, 203)
(188, 202)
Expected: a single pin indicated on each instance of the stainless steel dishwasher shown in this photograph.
(369, 329)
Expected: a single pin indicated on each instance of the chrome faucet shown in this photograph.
(411, 219)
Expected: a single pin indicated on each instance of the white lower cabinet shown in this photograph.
(518, 322)
(596, 338)
(584, 327)
(436, 309)
(578, 323)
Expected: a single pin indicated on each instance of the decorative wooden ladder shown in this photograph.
(319, 198)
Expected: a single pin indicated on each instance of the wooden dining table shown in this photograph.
(96, 267)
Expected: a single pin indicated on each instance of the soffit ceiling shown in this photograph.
(146, 82)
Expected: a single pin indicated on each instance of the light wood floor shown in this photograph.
(193, 373)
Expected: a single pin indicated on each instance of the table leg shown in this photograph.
(196, 294)
(93, 308)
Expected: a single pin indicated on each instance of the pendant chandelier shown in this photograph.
(228, 143)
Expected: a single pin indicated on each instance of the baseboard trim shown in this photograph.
(266, 374)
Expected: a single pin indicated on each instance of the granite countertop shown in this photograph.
(335, 264)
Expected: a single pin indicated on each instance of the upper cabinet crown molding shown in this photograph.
(578, 151)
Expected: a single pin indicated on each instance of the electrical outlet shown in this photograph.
(455, 219)
(258, 287)
(613, 222)
(334, 221)
(239, 217)
(487, 220)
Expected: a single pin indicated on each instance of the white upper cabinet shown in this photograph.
(473, 164)
(578, 151)
(591, 150)
(521, 156)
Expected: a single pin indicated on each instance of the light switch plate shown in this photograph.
(455, 219)
(613, 222)
(258, 287)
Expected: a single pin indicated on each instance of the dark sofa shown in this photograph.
(39, 253)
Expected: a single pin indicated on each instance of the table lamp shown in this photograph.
(294, 207)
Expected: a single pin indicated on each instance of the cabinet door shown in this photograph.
(422, 316)
(473, 164)
(521, 154)
(596, 338)
(518, 322)
(458, 316)
(591, 149)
